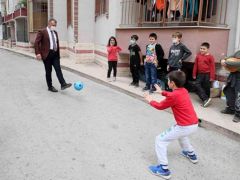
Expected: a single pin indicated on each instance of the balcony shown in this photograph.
(159, 13)
(21, 12)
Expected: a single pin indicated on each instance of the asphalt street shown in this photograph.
(94, 134)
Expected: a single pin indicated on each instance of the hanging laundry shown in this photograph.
(175, 9)
(160, 4)
(209, 8)
(190, 8)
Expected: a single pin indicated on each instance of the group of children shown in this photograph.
(154, 63)
(176, 96)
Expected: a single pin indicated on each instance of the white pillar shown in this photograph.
(237, 42)
(15, 26)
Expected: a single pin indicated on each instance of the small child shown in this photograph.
(135, 60)
(185, 116)
(178, 53)
(113, 51)
(204, 73)
(154, 57)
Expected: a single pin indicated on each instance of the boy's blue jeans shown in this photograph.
(150, 74)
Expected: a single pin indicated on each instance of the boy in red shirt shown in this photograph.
(185, 116)
(204, 73)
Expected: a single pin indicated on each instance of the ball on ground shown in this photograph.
(78, 85)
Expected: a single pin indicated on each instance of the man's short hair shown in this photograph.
(178, 77)
(206, 44)
(153, 35)
(177, 34)
(52, 19)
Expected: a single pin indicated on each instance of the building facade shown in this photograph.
(85, 26)
(14, 23)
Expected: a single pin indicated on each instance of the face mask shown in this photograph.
(174, 41)
(53, 28)
(132, 41)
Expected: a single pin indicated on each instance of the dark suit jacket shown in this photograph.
(42, 44)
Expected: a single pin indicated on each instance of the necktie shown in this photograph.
(54, 42)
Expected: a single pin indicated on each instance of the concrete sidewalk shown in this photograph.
(210, 116)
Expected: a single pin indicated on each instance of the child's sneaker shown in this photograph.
(191, 156)
(159, 171)
(207, 102)
(136, 84)
(132, 84)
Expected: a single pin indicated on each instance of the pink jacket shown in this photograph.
(113, 52)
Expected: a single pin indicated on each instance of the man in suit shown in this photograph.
(47, 49)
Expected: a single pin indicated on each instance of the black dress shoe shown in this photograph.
(67, 85)
(52, 89)
(227, 111)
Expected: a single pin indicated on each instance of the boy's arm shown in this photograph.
(212, 69)
(159, 52)
(186, 53)
(140, 55)
(129, 53)
(164, 104)
(195, 67)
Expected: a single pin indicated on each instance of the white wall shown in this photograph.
(1, 32)
(105, 27)
(237, 43)
(232, 20)
(86, 23)
(11, 6)
(60, 14)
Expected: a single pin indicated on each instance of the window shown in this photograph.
(101, 7)
(38, 14)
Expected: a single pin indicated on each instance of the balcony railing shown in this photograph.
(22, 12)
(173, 12)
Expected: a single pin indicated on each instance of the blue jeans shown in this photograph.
(150, 74)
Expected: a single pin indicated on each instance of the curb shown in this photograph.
(202, 123)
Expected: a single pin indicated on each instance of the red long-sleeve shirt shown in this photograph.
(181, 105)
(113, 52)
(204, 64)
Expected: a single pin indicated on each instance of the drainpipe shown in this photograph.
(237, 42)
(15, 25)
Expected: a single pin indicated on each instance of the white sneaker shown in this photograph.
(114, 79)
(207, 102)
(109, 80)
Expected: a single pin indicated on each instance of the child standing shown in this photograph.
(154, 57)
(204, 73)
(178, 53)
(185, 116)
(135, 60)
(113, 51)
